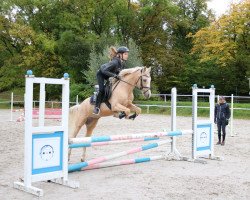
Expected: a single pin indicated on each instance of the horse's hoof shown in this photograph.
(122, 114)
(133, 116)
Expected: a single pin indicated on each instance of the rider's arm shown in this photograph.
(109, 68)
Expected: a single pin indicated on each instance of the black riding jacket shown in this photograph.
(222, 112)
(112, 68)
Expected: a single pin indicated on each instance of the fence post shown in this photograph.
(77, 100)
(11, 107)
(173, 116)
(232, 115)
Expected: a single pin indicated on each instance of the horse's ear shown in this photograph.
(149, 69)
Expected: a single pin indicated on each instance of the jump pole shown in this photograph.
(93, 144)
(124, 162)
(82, 165)
(127, 137)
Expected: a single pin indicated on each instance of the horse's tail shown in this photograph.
(73, 115)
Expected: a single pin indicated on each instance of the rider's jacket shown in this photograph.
(112, 68)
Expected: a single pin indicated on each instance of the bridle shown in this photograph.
(141, 87)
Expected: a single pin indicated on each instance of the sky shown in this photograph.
(220, 6)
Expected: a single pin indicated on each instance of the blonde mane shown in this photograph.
(126, 72)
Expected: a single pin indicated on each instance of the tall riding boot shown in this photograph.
(98, 103)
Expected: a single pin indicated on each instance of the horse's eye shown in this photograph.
(144, 80)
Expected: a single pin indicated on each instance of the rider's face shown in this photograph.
(125, 56)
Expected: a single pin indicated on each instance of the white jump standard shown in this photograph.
(46, 147)
(203, 134)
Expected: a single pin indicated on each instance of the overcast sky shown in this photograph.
(220, 6)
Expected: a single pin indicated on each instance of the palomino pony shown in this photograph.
(120, 100)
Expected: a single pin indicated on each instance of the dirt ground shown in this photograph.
(227, 179)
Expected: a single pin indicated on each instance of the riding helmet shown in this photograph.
(122, 49)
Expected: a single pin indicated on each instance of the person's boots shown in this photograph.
(219, 139)
(223, 143)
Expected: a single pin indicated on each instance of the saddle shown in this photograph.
(107, 95)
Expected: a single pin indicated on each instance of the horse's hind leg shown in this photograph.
(75, 131)
(74, 135)
(90, 125)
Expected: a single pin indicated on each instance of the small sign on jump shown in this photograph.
(203, 137)
(47, 152)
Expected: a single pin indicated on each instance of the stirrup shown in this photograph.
(96, 111)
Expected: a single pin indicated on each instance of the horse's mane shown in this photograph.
(126, 72)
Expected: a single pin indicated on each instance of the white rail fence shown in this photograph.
(165, 97)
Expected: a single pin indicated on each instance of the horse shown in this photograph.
(120, 100)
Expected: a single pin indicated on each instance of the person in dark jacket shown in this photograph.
(110, 69)
(221, 118)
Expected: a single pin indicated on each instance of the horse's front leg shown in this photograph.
(133, 108)
(120, 108)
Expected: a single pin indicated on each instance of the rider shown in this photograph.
(110, 69)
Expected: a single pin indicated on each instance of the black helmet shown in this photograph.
(122, 49)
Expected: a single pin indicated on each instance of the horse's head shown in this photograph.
(141, 76)
(144, 82)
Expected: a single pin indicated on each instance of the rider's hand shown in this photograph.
(117, 77)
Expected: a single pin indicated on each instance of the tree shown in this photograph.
(226, 42)
(176, 66)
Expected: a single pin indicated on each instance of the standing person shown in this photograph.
(110, 69)
(221, 118)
